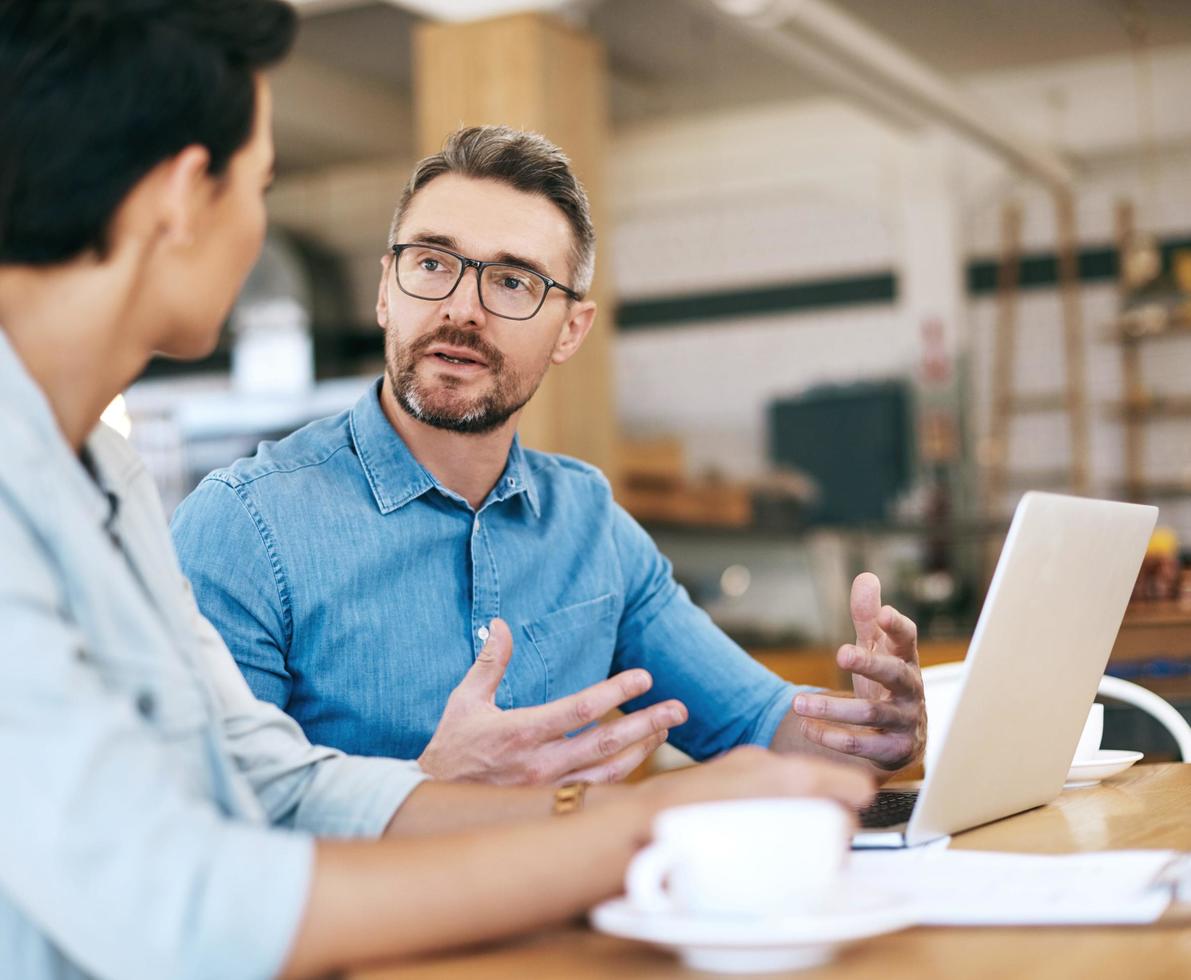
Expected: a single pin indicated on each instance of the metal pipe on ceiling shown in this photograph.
(837, 47)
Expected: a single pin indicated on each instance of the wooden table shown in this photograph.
(1147, 806)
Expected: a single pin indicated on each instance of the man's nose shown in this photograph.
(463, 305)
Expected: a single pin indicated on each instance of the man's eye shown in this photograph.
(430, 265)
(512, 283)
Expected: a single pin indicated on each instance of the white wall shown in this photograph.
(774, 195)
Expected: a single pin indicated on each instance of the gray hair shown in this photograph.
(526, 161)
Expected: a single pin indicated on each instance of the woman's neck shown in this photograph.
(71, 327)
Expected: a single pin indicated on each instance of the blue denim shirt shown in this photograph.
(157, 818)
(354, 591)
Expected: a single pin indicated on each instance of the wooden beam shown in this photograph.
(534, 72)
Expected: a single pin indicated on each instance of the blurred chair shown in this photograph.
(1153, 705)
(941, 683)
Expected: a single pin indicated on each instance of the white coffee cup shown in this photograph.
(941, 698)
(1093, 732)
(741, 858)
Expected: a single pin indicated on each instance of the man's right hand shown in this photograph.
(477, 741)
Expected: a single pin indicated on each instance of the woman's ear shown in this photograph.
(183, 196)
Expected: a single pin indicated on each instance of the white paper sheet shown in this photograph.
(994, 888)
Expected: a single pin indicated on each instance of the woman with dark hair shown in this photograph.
(159, 821)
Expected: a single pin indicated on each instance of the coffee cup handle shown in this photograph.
(643, 880)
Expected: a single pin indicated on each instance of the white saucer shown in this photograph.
(724, 945)
(1105, 763)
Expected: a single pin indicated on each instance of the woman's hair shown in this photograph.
(95, 93)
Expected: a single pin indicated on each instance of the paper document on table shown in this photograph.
(994, 888)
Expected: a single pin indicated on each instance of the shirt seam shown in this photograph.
(638, 626)
(235, 481)
(280, 583)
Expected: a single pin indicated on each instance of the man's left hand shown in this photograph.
(884, 723)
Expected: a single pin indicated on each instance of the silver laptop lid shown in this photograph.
(1052, 613)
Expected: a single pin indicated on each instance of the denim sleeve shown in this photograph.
(109, 852)
(238, 583)
(302, 786)
(732, 699)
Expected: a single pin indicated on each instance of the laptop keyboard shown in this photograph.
(891, 807)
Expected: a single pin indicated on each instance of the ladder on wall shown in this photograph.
(1149, 312)
(1136, 399)
(1007, 401)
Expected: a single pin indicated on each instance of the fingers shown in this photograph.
(901, 634)
(801, 775)
(611, 739)
(618, 767)
(591, 704)
(889, 750)
(484, 676)
(856, 711)
(899, 676)
(847, 785)
(866, 606)
(753, 772)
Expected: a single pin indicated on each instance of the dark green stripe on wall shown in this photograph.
(789, 297)
(1041, 269)
(1038, 270)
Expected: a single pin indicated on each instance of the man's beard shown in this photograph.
(438, 402)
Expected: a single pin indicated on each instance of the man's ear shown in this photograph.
(382, 292)
(573, 332)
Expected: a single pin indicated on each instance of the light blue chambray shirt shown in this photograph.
(157, 819)
(354, 591)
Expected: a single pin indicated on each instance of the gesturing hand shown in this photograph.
(885, 723)
(477, 741)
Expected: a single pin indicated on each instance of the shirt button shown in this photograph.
(512, 481)
(482, 633)
(146, 704)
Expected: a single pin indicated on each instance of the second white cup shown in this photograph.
(741, 858)
(1093, 732)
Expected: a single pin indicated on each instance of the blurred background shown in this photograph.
(868, 269)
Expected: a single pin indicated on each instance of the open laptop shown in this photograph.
(1041, 644)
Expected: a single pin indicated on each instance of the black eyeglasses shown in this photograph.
(510, 291)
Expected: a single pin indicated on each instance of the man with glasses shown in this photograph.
(406, 579)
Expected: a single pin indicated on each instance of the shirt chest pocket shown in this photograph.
(576, 644)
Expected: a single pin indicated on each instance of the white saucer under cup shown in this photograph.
(763, 945)
(1101, 765)
(747, 886)
(1092, 763)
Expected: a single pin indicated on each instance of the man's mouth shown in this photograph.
(455, 360)
(458, 356)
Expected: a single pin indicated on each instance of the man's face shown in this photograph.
(450, 363)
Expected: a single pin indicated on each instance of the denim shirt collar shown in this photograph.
(396, 477)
